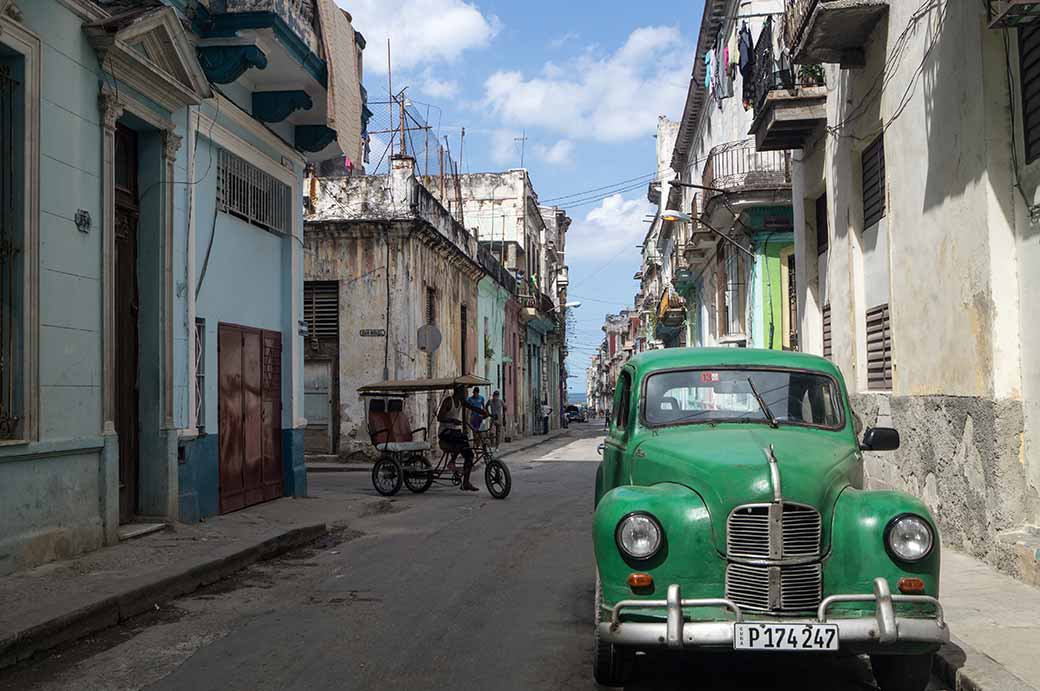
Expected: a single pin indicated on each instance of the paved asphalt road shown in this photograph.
(448, 590)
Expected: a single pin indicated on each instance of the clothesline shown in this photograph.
(756, 16)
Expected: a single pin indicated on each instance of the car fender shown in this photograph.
(687, 555)
(858, 551)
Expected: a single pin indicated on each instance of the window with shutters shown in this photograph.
(1029, 73)
(828, 349)
(874, 182)
(822, 229)
(731, 290)
(321, 309)
(463, 327)
(12, 226)
(879, 348)
(253, 195)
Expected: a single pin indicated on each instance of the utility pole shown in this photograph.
(523, 145)
(404, 147)
(390, 93)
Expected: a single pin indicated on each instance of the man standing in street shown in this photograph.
(475, 403)
(497, 408)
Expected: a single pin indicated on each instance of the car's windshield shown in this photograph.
(714, 395)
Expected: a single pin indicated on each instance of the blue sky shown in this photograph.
(586, 80)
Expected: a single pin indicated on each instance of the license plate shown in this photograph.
(785, 637)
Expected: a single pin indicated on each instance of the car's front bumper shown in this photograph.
(879, 633)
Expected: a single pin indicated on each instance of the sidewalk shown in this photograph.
(67, 600)
(995, 622)
(319, 464)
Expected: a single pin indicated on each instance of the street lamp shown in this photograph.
(566, 305)
(673, 216)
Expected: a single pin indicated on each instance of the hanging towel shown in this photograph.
(733, 51)
(707, 71)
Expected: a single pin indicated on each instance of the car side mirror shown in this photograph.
(880, 439)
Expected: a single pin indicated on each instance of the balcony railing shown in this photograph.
(774, 72)
(830, 31)
(738, 166)
(1004, 14)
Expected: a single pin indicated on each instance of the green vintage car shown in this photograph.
(731, 515)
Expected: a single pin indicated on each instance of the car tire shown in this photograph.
(611, 664)
(902, 672)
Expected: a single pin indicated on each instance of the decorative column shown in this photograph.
(111, 110)
(171, 144)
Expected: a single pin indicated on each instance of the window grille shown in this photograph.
(1029, 71)
(822, 229)
(731, 293)
(879, 348)
(321, 308)
(462, 331)
(828, 349)
(874, 182)
(10, 240)
(200, 375)
(792, 304)
(245, 191)
(431, 306)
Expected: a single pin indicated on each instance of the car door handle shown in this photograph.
(599, 449)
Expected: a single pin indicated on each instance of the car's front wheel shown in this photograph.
(902, 672)
(611, 664)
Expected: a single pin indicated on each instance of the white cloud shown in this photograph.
(610, 228)
(607, 98)
(559, 153)
(421, 32)
(505, 150)
(439, 88)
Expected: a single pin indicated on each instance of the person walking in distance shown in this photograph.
(452, 436)
(497, 408)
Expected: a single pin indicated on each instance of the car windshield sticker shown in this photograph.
(709, 377)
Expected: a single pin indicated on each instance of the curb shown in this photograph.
(146, 594)
(333, 469)
(967, 669)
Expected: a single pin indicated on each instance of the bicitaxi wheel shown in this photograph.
(497, 479)
(387, 476)
(418, 473)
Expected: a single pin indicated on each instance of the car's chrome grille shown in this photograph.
(801, 531)
(747, 532)
(801, 587)
(748, 585)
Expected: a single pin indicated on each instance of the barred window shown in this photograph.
(12, 147)
(200, 375)
(245, 191)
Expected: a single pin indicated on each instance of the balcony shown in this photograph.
(1007, 14)
(741, 177)
(830, 31)
(301, 16)
(790, 100)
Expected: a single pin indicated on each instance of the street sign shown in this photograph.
(374, 333)
(429, 338)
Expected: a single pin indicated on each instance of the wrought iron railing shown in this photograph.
(796, 12)
(738, 165)
(1011, 13)
(774, 70)
(10, 248)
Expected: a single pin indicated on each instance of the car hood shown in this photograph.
(727, 466)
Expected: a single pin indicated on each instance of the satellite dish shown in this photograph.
(429, 337)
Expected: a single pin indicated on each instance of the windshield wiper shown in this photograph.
(762, 404)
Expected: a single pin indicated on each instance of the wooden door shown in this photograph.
(249, 412)
(317, 406)
(126, 412)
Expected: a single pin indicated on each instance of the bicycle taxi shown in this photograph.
(405, 452)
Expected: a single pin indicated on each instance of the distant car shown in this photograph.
(575, 414)
(731, 515)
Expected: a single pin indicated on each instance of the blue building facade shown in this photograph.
(151, 256)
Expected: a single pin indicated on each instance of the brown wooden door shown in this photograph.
(126, 315)
(249, 411)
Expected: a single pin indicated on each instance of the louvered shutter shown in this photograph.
(321, 308)
(1029, 71)
(874, 182)
(828, 349)
(879, 348)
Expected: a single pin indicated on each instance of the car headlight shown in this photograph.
(638, 535)
(909, 537)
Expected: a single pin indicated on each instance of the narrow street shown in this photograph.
(440, 591)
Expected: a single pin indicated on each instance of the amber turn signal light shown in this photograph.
(911, 585)
(640, 580)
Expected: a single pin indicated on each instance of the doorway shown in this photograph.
(127, 309)
(249, 402)
(317, 406)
